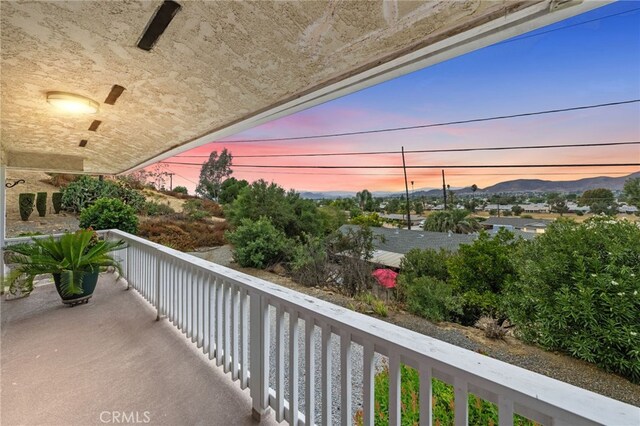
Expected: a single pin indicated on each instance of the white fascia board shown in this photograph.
(525, 20)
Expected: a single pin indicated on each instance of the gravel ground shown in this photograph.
(510, 350)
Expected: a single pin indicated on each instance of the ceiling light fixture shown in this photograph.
(72, 103)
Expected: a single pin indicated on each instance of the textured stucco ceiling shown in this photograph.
(217, 63)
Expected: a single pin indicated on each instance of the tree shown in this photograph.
(456, 220)
(286, 211)
(517, 210)
(365, 200)
(599, 200)
(480, 272)
(230, 189)
(419, 207)
(213, 172)
(557, 203)
(632, 191)
(181, 190)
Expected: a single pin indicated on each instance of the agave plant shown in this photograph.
(72, 256)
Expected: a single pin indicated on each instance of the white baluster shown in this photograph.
(280, 363)
(293, 368)
(367, 385)
(309, 365)
(326, 376)
(235, 323)
(394, 390)
(259, 353)
(345, 377)
(426, 389)
(505, 411)
(244, 332)
(461, 396)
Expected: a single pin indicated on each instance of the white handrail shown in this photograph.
(211, 304)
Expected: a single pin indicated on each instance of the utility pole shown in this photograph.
(406, 188)
(170, 181)
(444, 190)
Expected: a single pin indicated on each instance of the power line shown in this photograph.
(425, 126)
(476, 166)
(420, 151)
(567, 26)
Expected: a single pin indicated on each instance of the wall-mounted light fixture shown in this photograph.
(72, 103)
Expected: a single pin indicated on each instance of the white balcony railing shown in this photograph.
(228, 315)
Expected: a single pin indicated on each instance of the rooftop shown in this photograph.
(402, 240)
(517, 222)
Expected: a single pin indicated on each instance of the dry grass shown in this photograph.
(180, 233)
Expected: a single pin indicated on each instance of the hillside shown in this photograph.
(580, 185)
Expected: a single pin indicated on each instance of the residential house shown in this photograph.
(536, 226)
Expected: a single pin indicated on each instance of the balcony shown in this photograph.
(71, 366)
(109, 358)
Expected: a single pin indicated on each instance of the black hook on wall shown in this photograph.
(17, 181)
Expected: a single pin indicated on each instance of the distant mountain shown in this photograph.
(580, 185)
(518, 185)
(326, 195)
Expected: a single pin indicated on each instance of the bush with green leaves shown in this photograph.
(109, 213)
(25, 201)
(442, 403)
(152, 208)
(431, 298)
(367, 219)
(578, 291)
(287, 211)
(56, 200)
(83, 192)
(258, 244)
(41, 203)
(309, 262)
(479, 272)
(201, 208)
(181, 190)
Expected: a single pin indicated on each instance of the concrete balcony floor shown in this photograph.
(99, 362)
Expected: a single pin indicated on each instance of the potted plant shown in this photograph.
(74, 260)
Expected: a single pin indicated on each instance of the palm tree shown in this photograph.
(456, 220)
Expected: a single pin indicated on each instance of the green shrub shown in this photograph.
(86, 190)
(426, 263)
(258, 244)
(56, 199)
(199, 208)
(41, 203)
(25, 200)
(442, 402)
(181, 190)
(309, 262)
(430, 298)
(579, 213)
(578, 291)
(371, 219)
(288, 212)
(109, 213)
(479, 272)
(151, 208)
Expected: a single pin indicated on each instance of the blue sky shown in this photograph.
(593, 63)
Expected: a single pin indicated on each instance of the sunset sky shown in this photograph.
(598, 62)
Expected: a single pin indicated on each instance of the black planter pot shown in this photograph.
(89, 281)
